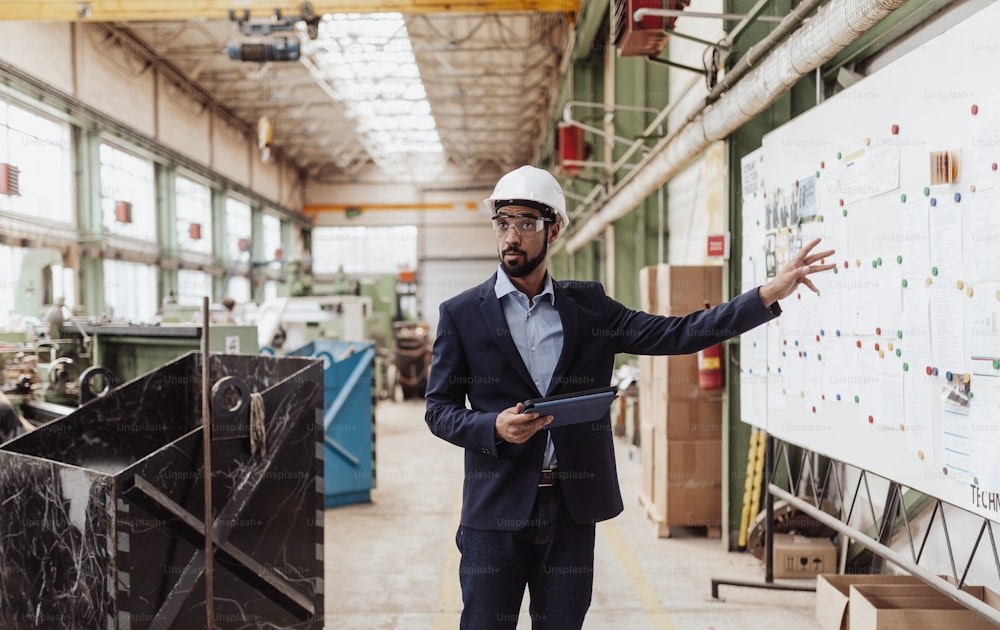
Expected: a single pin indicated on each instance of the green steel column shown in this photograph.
(257, 275)
(90, 219)
(166, 232)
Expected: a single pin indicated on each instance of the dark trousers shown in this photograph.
(552, 555)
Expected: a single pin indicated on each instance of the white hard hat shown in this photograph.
(532, 187)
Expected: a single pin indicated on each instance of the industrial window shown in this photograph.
(36, 173)
(239, 229)
(272, 238)
(194, 215)
(32, 281)
(130, 290)
(238, 288)
(192, 286)
(364, 249)
(128, 194)
(10, 262)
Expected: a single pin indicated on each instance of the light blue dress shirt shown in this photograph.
(536, 330)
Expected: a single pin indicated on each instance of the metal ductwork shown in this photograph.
(833, 28)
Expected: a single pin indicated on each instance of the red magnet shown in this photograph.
(975, 109)
(929, 370)
(859, 343)
(895, 129)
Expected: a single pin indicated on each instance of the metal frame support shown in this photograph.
(644, 12)
(808, 489)
(768, 583)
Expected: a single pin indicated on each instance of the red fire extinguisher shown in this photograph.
(710, 373)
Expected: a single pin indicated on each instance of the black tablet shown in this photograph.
(573, 408)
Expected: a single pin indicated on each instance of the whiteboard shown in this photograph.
(895, 366)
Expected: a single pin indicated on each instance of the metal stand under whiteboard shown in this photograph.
(806, 490)
(768, 583)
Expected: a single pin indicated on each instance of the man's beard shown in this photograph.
(530, 264)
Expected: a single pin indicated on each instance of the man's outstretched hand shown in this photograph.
(794, 273)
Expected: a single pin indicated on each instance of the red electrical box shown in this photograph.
(194, 231)
(571, 148)
(123, 211)
(648, 36)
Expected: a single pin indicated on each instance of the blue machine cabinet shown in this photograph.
(348, 418)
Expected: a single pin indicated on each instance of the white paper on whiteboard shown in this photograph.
(813, 371)
(890, 297)
(852, 180)
(840, 372)
(916, 339)
(982, 254)
(956, 430)
(918, 392)
(869, 386)
(916, 241)
(984, 428)
(946, 239)
(984, 321)
(753, 400)
(891, 411)
(948, 330)
(883, 164)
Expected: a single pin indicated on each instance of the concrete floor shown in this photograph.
(393, 563)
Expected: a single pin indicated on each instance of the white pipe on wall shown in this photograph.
(833, 28)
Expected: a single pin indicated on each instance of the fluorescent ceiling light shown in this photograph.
(368, 61)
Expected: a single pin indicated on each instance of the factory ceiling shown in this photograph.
(380, 97)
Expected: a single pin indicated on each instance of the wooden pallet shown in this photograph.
(665, 530)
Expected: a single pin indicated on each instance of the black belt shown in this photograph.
(548, 478)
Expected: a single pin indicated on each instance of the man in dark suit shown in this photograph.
(532, 496)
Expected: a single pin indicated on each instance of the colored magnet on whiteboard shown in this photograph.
(929, 370)
(878, 330)
(998, 297)
(876, 346)
(948, 375)
(817, 337)
(933, 202)
(959, 284)
(927, 191)
(920, 454)
(899, 260)
(817, 174)
(802, 394)
(871, 420)
(903, 197)
(996, 364)
(839, 156)
(874, 264)
(969, 291)
(902, 427)
(899, 352)
(975, 109)
(841, 202)
(846, 265)
(800, 354)
(958, 197)
(838, 396)
(857, 262)
(814, 408)
(868, 142)
(804, 354)
(993, 166)
(881, 354)
(784, 342)
(934, 271)
(934, 371)
(906, 367)
(889, 345)
(796, 342)
(899, 334)
(798, 296)
(972, 188)
(784, 392)
(879, 259)
(857, 398)
(859, 343)
(822, 164)
(783, 354)
(904, 283)
(819, 357)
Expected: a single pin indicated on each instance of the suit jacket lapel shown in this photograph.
(498, 330)
(566, 306)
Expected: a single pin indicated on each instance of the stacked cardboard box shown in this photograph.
(680, 425)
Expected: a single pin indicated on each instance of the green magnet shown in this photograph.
(906, 367)
(903, 197)
(927, 191)
(899, 259)
(934, 271)
(899, 352)
(857, 399)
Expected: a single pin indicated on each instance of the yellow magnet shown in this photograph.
(969, 291)
(959, 284)
(920, 454)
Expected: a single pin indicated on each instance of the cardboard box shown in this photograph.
(801, 557)
(687, 486)
(646, 459)
(916, 607)
(676, 403)
(833, 594)
(683, 289)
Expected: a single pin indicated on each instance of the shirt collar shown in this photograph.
(504, 286)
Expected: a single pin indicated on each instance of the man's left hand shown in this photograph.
(794, 273)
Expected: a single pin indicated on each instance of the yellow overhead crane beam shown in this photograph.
(190, 10)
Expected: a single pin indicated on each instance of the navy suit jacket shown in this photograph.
(475, 358)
